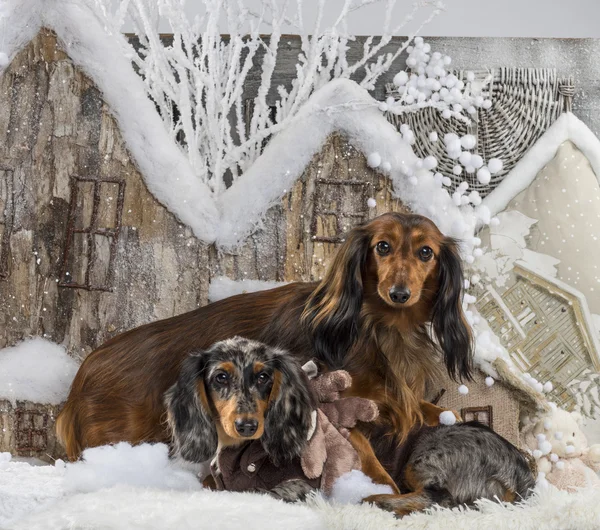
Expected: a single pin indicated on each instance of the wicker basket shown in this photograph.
(525, 102)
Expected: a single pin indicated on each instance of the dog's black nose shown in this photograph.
(246, 427)
(399, 295)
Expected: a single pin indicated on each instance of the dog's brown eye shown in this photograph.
(383, 248)
(222, 378)
(425, 253)
(262, 378)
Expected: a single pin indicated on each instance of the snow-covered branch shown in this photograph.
(198, 80)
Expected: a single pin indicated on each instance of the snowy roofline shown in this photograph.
(166, 171)
(340, 106)
(574, 296)
(566, 127)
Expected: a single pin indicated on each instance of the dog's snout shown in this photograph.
(246, 427)
(399, 295)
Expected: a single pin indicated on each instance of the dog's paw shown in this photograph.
(291, 490)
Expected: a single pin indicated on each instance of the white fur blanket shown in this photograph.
(135, 489)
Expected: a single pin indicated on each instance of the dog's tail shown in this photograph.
(66, 431)
(410, 502)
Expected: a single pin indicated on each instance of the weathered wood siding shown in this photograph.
(76, 212)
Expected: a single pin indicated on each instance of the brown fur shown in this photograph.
(118, 392)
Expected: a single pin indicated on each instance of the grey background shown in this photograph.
(462, 18)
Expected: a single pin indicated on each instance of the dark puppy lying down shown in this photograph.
(249, 407)
(452, 465)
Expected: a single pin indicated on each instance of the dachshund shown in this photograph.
(250, 407)
(239, 391)
(389, 311)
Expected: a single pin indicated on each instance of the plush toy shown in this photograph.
(329, 454)
(561, 450)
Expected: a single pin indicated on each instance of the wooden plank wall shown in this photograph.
(76, 191)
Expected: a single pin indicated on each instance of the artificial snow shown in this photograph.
(566, 127)
(34, 498)
(36, 370)
(146, 465)
(354, 486)
(341, 105)
(222, 287)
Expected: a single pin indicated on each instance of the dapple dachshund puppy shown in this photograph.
(251, 409)
(249, 406)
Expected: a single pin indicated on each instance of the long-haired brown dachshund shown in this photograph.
(390, 281)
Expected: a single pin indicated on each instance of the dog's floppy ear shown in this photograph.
(188, 412)
(332, 312)
(288, 416)
(449, 323)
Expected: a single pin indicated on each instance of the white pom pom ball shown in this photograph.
(447, 418)
(537, 454)
(489, 381)
(446, 181)
(476, 201)
(545, 447)
(371, 202)
(547, 424)
(457, 169)
(400, 78)
(554, 457)
(430, 162)
(494, 221)
(540, 437)
(462, 389)
(484, 176)
(495, 165)
(468, 141)
(465, 158)
(548, 386)
(477, 161)
(433, 136)
(374, 160)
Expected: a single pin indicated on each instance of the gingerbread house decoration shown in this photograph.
(546, 326)
(501, 405)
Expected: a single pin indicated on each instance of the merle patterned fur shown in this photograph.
(287, 418)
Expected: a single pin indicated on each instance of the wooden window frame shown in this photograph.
(338, 217)
(25, 430)
(91, 231)
(475, 411)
